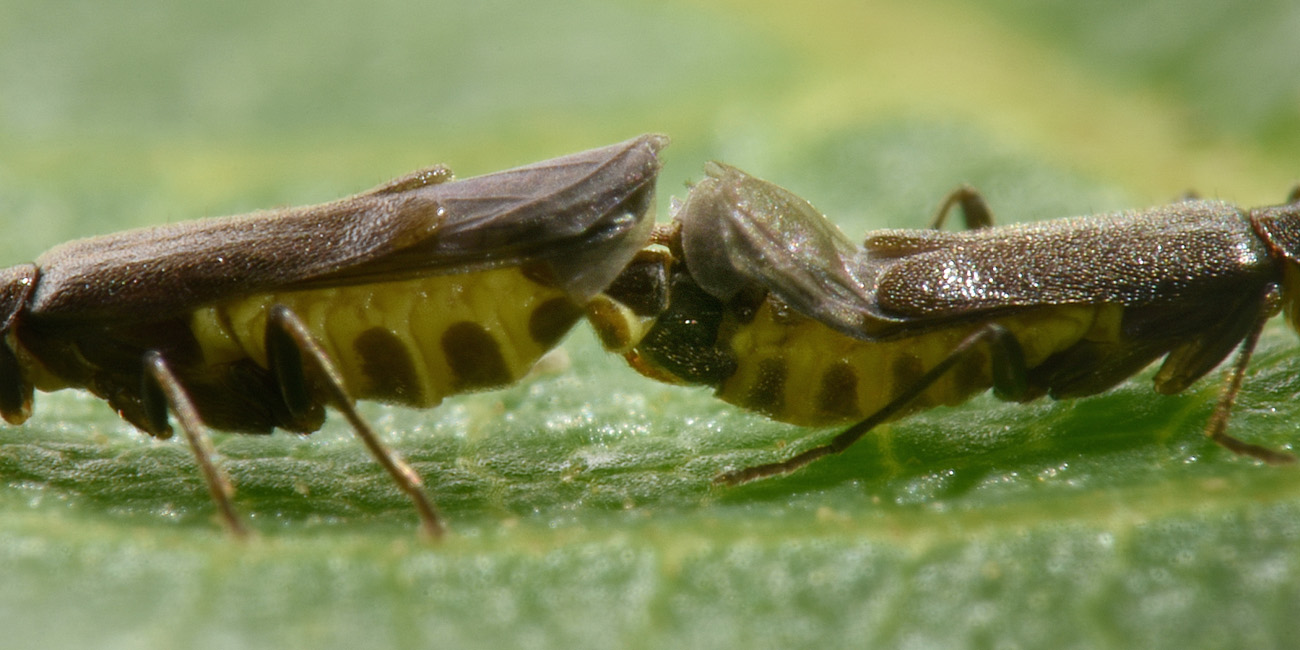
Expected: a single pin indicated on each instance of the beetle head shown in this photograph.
(16, 284)
(1279, 227)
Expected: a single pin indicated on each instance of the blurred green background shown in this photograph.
(580, 501)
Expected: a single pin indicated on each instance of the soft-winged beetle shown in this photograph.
(753, 292)
(417, 289)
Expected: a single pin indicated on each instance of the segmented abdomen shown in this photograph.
(410, 341)
(794, 369)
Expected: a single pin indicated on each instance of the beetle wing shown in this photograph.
(1184, 254)
(584, 215)
(738, 230)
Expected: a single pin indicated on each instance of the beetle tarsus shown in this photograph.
(161, 378)
(282, 321)
(1258, 452)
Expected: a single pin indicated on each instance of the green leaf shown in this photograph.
(581, 503)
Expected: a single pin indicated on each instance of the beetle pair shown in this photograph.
(426, 287)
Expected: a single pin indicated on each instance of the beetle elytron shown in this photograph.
(417, 289)
(753, 292)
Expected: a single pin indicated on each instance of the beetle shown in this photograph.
(753, 292)
(417, 289)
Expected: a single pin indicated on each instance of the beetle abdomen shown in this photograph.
(797, 370)
(410, 341)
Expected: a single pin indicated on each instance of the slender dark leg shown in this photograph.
(1217, 427)
(15, 392)
(160, 381)
(1010, 381)
(975, 211)
(288, 339)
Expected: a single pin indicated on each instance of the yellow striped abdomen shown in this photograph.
(409, 341)
(794, 369)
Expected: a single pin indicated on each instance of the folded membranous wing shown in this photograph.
(581, 217)
(739, 232)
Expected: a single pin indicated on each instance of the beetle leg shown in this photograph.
(284, 358)
(1216, 429)
(163, 390)
(1010, 382)
(284, 328)
(15, 392)
(975, 211)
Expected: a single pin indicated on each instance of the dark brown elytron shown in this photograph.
(417, 289)
(751, 291)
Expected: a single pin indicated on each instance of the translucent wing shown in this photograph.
(585, 215)
(581, 216)
(738, 230)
